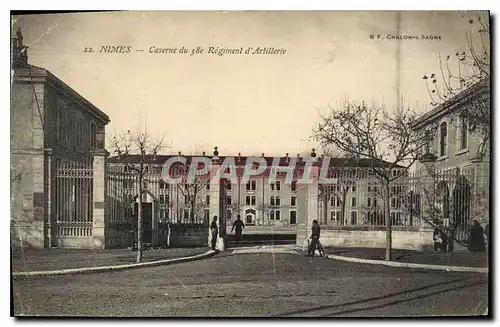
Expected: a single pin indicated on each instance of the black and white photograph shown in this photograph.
(250, 164)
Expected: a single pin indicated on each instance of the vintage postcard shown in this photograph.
(257, 164)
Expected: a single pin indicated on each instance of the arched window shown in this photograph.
(428, 140)
(93, 135)
(463, 133)
(443, 138)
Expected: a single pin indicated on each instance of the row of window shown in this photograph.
(164, 186)
(340, 188)
(374, 217)
(250, 186)
(396, 202)
(274, 186)
(274, 214)
(249, 200)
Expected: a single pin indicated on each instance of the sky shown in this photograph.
(248, 104)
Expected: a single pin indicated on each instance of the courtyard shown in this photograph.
(272, 284)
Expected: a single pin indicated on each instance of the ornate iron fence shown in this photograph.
(73, 198)
(356, 200)
(445, 199)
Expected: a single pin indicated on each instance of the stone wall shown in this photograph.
(28, 211)
(118, 235)
(187, 236)
(371, 238)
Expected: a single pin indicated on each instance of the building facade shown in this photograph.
(56, 136)
(457, 159)
(353, 202)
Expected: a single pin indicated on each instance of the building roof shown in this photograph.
(35, 74)
(27, 73)
(452, 104)
(334, 162)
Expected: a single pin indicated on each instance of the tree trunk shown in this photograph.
(139, 224)
(388, 230)
(193, 200)
(325, 210)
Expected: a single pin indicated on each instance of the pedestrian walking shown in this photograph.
(215, 232)
(238, 226)
(315, 234)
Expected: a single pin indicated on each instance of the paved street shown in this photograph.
(256, 285)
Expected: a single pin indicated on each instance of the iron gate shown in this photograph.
(73, 197)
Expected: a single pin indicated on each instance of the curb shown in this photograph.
(90, 270)
(410, 265)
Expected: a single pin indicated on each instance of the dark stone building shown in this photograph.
(56, 135)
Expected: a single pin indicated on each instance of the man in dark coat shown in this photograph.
(238, 226)
(315, 233)
(476, 239)
(215, 231)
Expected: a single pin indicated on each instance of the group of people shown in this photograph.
(476, 241)
(238, 226)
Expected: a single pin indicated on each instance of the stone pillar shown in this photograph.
(215, 210)
(302, 232)
(35, 233)
(308, 199)
(49, 181)
(99, 193)
(312, 196)
(480, 187)
(427, 202)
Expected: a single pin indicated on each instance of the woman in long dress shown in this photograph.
(476, 242)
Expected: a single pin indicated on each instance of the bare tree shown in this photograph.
(192, 193)
(139, 144)
(327, 191)
(191, 188)
(324, 196)
(463, 79)
(385, 137)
